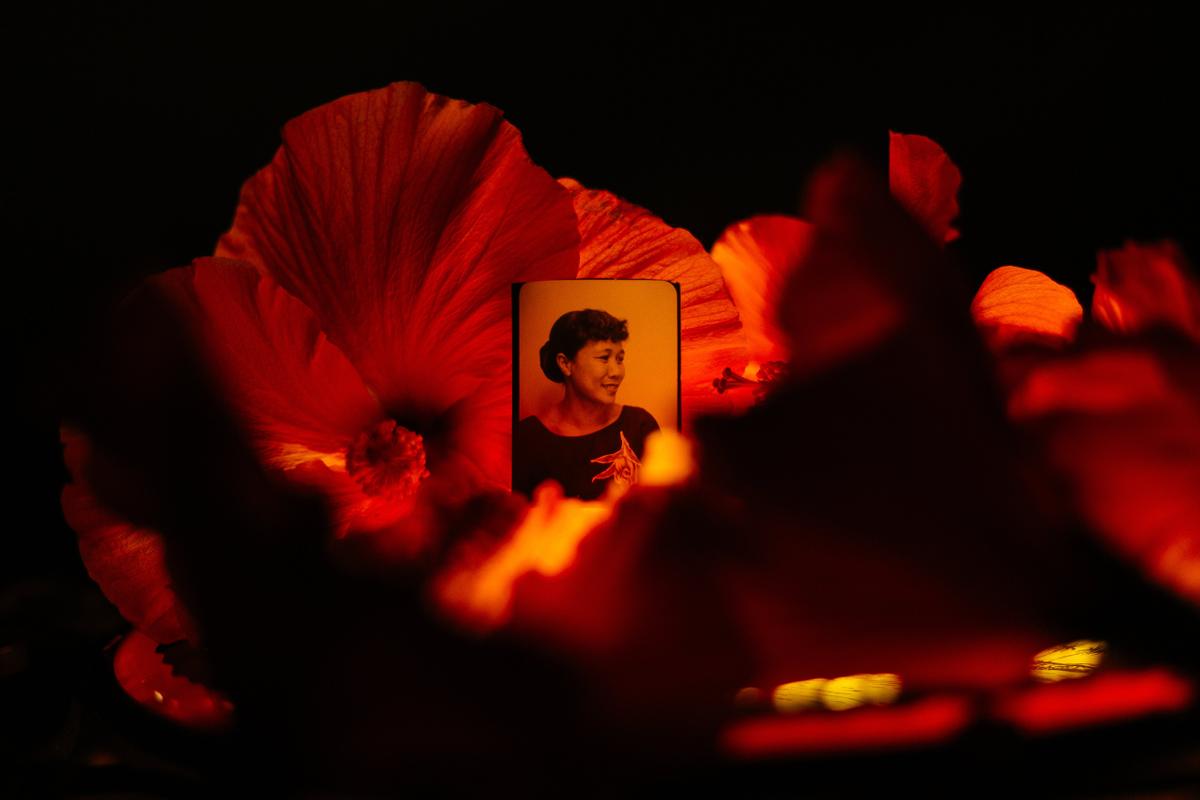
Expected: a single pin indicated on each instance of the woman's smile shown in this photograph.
(597, 371)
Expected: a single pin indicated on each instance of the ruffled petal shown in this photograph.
(1142, 285)
(1022, 306)
(141, 672)
(402, 218)
(125, 560)
(925, 181)
(1122, 426)
(620, 240)
(755, 255)
(296, 393)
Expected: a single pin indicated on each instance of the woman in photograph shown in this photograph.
(586, 440)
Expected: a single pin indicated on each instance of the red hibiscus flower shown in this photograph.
(357, 322)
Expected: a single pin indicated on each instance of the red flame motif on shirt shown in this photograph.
(623, 465)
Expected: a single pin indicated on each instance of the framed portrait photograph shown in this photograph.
(596, 371)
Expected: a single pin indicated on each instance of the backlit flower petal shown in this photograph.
(125, 560)
(1122, 426)
(620, 240)
(1142, 285)
(925, 181)
(1022, 306)
(296, 393)
(144, 676)
(401, 218)
(754, 256)
(859, 483)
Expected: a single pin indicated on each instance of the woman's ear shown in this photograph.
(564, 364)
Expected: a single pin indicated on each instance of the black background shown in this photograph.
(132, 128)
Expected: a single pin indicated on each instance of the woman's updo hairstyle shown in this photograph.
(572, 331)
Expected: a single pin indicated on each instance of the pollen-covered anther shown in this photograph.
(387, 459)
(765, 377)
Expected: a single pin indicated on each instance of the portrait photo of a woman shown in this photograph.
(583, 432)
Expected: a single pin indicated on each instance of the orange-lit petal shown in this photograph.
(925, 181)
(295, 392)
(144, 676)
(479, 595)
(1142, 285)
(755, 255)
(641, 614)
(620, 240)
(125, 560)
(1017, 306)
(402, 218)
(1105, 698)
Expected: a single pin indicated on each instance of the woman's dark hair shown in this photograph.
(572, 331)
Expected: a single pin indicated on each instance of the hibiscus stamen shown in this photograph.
(387, 459)
(765, 376)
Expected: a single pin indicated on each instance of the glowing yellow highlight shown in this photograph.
(545, 542)
(668, 459)
(290, 456)
(1076, 659)
(789, 698)
(837, 694)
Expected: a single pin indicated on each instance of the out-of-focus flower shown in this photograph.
(758, 254)
(835, 528)
(1114, 402)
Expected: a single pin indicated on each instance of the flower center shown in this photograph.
(387, 459)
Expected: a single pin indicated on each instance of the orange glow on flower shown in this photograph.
(923, 722)
(755, 255)
(669, 460)
(1105, 698)
(1142, 285)
(144, 676)
(1016, 305)
(479, 595)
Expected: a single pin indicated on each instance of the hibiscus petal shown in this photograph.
(147, 679)
(296, 393)
(125, 560)
(1018, 306)
(621, 240)
(925, 181)
(861, 481)
(1142, 285)
(755, 255)
(401, 218)
(853, 289)
(1122, 425)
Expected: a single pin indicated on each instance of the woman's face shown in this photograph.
(597, 370)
